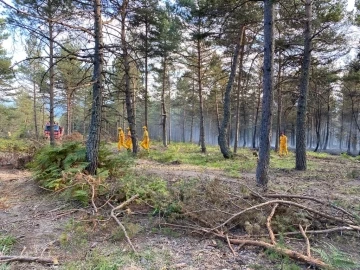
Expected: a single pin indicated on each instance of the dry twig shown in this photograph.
(268, 222)
(283, 202)
(231, 248)
(122, 205)
(28, 259)
(308, 253)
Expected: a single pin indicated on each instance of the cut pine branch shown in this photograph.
(42, 260)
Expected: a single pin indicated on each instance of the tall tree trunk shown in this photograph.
(130, 109)
(34, 110)
(223, 138)
(256, 120)
(201, 103)
(349, 138)
(279, 104)
(146, 97)
(51, 81)
(169, 106)
(300, 163)
(163, 108)
(183, 124)
(69, 113)
(192, 111)
(262, 176)
(341, 127)
(217, 112)
(327, 122)
(317, 127)
(93, 142)
(237, 115)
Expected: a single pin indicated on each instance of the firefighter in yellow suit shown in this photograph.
(128, 141)
(121, 139)
(145, 143)
(283, 144)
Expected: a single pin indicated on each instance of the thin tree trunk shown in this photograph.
(68, 114)
(279, 104)
(183, 124)
(146, 71)
(169, 137)
(341, 127)
(327, 123)
(349, 138)
(223, 138)
(51, 81)
(163, 108)
(128, 93)
(34, 110)
(237, 115)
(300, 163)
(93, 142)
(256, 120)
(201, 105)
(262, 176)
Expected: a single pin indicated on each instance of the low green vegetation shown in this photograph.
(336, 258)
(62, 169)
(6, 243)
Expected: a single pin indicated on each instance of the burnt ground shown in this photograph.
(46, 226)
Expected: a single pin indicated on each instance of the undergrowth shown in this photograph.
(6, 243)
(63, 169)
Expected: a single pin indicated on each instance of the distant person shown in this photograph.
(121, 139)
(145, 143)
(128, 141)
(283, 145)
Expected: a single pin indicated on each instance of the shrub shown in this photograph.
(62, 168)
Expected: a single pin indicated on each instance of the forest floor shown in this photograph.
(42, 225)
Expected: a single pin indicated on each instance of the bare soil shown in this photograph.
(46, 226)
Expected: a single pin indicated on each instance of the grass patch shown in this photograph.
(114, 259)
(186, 153)
(6, 243)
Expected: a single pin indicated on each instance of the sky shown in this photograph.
(19, 54)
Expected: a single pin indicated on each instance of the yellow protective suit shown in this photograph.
(128, 141)
(283, 145)
(145, 143)
(121, 139)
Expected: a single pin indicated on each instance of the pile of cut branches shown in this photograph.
(241, 216)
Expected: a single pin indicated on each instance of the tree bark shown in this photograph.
(223, 132)
(51, 81)
(300, 163)
(163, 108)
(279, 104)
(128, 92)
(34, 110)
(93, 142)
(256, 120)
(201, 104)
(262, 176)
(237, 115)
(327, 122)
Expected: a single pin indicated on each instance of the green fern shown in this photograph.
(61, 168)
(336, 258)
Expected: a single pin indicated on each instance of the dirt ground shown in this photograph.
(45, 226)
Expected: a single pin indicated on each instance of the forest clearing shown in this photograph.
(186, 214)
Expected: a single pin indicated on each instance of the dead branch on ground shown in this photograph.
(119, 207)
(43, 260)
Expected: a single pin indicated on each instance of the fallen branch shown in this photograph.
(311, 199)
(308, 253)
(28, 259)
(122, 205)
(268, 221)
(281, 250)
(231, 248)
(282, 202)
